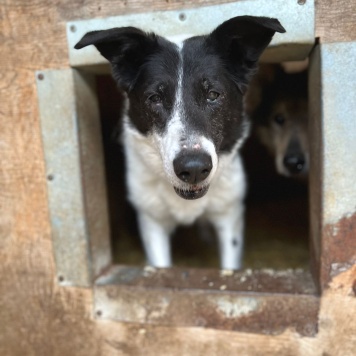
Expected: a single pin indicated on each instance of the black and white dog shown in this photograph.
(184, 125)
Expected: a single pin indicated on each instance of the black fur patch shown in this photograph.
(157, 76)
(204, 70)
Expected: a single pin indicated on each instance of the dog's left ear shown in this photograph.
(240, 41)
(126, 48)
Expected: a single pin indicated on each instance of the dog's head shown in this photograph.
(288, 130)
(187, 97)
(281, 117)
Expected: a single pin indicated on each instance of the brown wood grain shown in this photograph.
(36, 316)
(335, 20)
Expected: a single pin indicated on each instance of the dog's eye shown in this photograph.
(212, 95)
(279, 119)
(155, 98)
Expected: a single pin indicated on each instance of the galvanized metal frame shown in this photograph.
(332, 105)
(76, 187)
(237, 301)
(260, 301)
(295, 44)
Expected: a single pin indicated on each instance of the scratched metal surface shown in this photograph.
(75, 179)
(296, 43)
(338, 66)
(259, 301)
(333, 147)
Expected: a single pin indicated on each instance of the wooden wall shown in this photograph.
(36, 316)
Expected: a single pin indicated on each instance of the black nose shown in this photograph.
(192, 167)
(294, 163)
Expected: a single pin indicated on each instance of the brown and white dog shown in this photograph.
(278, 106)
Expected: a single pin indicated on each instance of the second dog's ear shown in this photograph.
(125, 48)
(240, 41)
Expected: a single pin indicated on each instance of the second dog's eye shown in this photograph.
(212, 95)
(279, 119)
(155, 98)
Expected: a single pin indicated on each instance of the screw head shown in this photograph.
(182, 16)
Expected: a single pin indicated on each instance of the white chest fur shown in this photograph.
(151, 192)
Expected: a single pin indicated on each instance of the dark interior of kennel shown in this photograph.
(276, 225)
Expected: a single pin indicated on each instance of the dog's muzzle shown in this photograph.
(192, 168)
(294, 163)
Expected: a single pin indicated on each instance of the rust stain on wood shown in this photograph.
(338, 249)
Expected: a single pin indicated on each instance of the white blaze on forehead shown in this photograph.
(177, 136)
(169, 141)
(179, 39)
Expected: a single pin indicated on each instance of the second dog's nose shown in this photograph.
(294, 163)
(192, 167)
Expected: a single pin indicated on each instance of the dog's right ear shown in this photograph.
(126, 48)
(240, 41)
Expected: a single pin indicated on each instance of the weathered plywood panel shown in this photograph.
(37, 317)
(335, 20)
